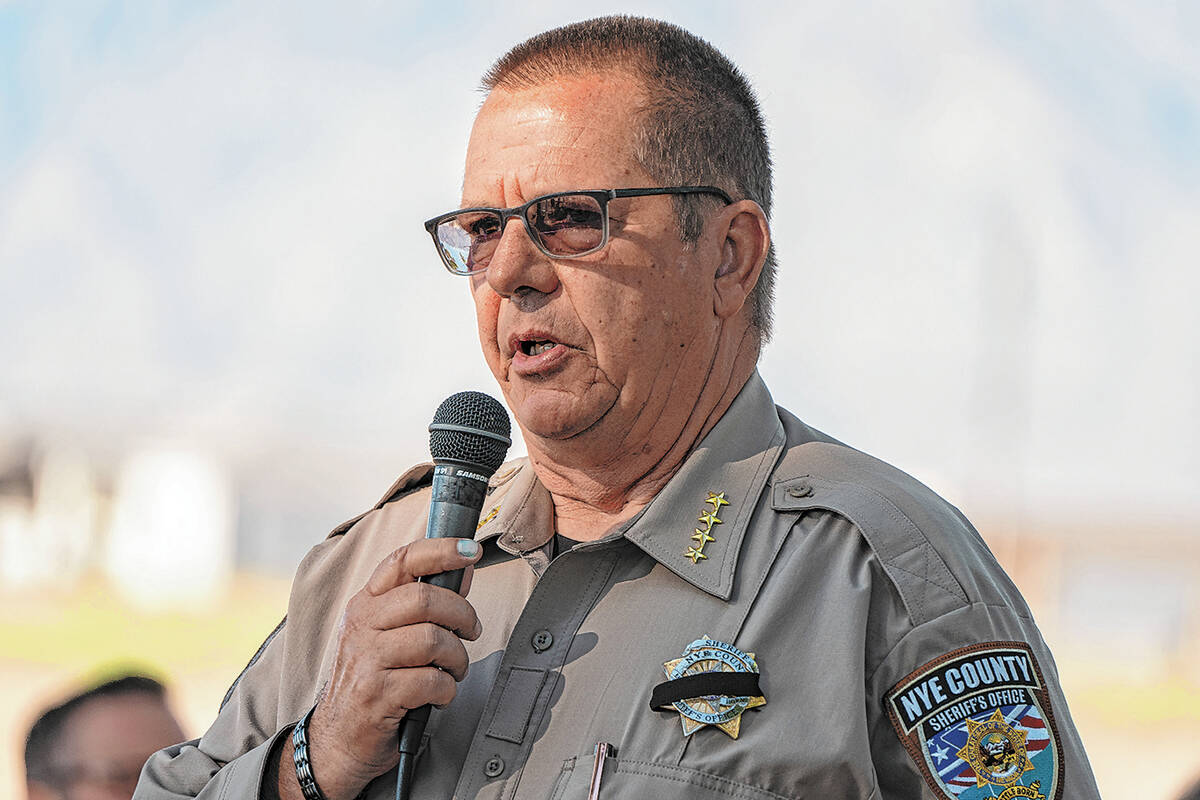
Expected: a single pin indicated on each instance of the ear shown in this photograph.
(743, 253)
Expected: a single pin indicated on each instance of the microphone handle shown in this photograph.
(458, 495)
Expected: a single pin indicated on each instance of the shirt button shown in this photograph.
(542, 640)
(802, 489)
(494, 767)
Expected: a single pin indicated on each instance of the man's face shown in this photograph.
(609, 343)
(108, 739)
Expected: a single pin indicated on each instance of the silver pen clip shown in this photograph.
(603, 750)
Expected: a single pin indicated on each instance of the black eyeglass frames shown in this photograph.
(562, 225)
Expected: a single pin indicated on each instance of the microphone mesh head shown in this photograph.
(485, 441)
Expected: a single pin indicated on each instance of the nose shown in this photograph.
(518, 266)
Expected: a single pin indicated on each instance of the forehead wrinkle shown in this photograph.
(552, 132)
(542, 178)
(553, 171)
(496, 184)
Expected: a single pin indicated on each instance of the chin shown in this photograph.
(554, 415)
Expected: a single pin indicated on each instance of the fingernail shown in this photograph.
(468, 548)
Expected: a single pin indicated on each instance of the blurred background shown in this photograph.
(223, 329)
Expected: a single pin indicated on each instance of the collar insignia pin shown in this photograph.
(708, 519)
(704, 657)
(491, 515)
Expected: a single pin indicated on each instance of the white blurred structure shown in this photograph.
(47, 535)
(171, 542)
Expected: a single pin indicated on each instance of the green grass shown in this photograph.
(93, 626)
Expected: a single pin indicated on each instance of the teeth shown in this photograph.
(540, 347)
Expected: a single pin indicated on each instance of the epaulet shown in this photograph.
(409, 482)
(894, 512)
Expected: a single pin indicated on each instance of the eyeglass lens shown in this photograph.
(564, 225)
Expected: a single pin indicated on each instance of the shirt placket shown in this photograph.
(536, 650)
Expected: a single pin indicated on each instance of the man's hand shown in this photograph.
(399, 647)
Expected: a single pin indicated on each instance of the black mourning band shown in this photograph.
(703, 684)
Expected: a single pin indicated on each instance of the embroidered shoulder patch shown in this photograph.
(977, 721)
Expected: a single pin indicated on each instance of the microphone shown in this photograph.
(468, 439)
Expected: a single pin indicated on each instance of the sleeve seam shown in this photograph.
(253, 660)
(915, 628)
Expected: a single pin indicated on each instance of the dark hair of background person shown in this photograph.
(701, 123)
(46, 735)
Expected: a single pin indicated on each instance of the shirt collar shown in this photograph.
(732, 463)
(518, 512)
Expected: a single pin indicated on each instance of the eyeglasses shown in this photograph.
(562, 225)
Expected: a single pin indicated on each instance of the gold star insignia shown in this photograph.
(708, 518)
(717, 501)
(491, 515)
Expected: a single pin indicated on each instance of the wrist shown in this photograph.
(306, 782)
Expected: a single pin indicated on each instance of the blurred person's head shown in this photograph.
(93, 745)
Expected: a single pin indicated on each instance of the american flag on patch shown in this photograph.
(957, 774)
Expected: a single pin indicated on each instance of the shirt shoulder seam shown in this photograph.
(901, 639)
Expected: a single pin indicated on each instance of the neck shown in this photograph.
(601, 478)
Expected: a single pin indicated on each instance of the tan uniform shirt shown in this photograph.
(845, 578)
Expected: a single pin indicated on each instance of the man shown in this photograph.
(683, 591)
(93, 745)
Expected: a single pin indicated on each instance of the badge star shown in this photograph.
(709, 518)
(1016, 735)
(695, 554)
(701, 536)
(717, 501)
(941, 754)
(731, 727)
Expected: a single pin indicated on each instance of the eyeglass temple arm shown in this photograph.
(614, 193)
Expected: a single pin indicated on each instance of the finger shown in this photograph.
(421, 646)
(468, 574)
(422, 557)
(415, 603)
(412, 688)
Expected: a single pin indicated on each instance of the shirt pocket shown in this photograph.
(629, 778)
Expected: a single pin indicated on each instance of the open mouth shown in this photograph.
(535, 355)
(533, 347)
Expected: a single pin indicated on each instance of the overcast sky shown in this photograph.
(988, 223)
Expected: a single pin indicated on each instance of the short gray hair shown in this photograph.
(701, 124)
